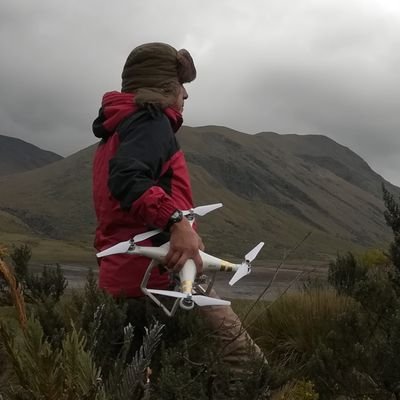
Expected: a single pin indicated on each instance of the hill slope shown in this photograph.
(18, 156)
(275, 188)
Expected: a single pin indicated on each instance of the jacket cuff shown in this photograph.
(164, 213)
(154, 208)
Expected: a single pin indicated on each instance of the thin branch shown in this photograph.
(262, 294)
(242, 328)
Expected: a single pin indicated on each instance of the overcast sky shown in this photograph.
(300, 66)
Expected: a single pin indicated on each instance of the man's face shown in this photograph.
(180, 98)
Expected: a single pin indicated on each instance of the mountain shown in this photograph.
(18, 156)
(275, 188)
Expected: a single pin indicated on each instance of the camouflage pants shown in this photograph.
(237, 347)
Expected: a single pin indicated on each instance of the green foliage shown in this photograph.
(374, 258)
(5, 297)
(102, 318)
(55, 360)
(345, 272)
(392, 212)
(181, 378)
(130, 380)
(4, 368)
(291, 329)
(45, 372)
(49, 314)
(392, 217)
(51, 283)
(303, 390)
(298, 390)
(20, 256)
(345, 342)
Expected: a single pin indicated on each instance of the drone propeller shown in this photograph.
(146, 235)
(245, 267)
(252, 254)
(123, 247)
(197, 299)
(202, 210)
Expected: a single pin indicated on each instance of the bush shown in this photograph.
(297, 390)
(392, 218)
(54, 359)
(20, 256)
(374, 258)
(46, 372)
(291, 329)
(51, 283)
(345, 272)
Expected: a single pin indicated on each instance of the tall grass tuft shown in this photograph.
(15, 291)
(291, 328)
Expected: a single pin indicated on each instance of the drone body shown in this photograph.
(187, 296)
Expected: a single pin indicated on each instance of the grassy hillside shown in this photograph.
(18, 156)
(275, 188)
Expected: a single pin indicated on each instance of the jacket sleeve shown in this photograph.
(145, 146)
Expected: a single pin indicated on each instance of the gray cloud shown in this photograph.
(311, 66)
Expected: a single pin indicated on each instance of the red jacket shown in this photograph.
(140, 178)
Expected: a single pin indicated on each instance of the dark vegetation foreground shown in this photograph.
(331, 340)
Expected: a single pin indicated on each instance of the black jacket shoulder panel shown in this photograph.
(147, 141)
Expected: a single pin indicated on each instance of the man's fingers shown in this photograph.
(180, 263)
(172, 258)
(201, 244)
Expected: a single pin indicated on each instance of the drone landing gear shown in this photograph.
(143, 286)
(185, 303)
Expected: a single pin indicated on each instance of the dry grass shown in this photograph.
(16, 295)
(291, 327)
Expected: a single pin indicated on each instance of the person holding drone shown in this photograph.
(141, 182)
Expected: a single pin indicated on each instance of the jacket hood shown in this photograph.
(116, 106)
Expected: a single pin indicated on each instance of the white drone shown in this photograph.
(190, 287)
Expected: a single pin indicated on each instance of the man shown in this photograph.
(141, 181)
(140, 176)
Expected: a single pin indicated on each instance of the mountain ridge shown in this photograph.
(275, 188)
(17, 155)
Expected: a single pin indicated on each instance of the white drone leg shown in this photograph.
(187, 276)
(143, 287)
(211, 284)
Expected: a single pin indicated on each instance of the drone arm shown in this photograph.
(155, 253)
(211, 263)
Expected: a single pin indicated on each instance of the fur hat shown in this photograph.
(154, 72)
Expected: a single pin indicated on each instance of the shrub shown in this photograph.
(20, 256)
(45, 372)
(345, 272)
(297, 390)
(392, 218)
(69, 363)
(290, 330)
(374, 258)
(51, 283)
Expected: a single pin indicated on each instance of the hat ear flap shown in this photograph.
(186, 68)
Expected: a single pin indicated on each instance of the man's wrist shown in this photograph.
(176, 217)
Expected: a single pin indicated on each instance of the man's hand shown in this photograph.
(185, 243)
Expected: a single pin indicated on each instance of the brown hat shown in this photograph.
(158, 69)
